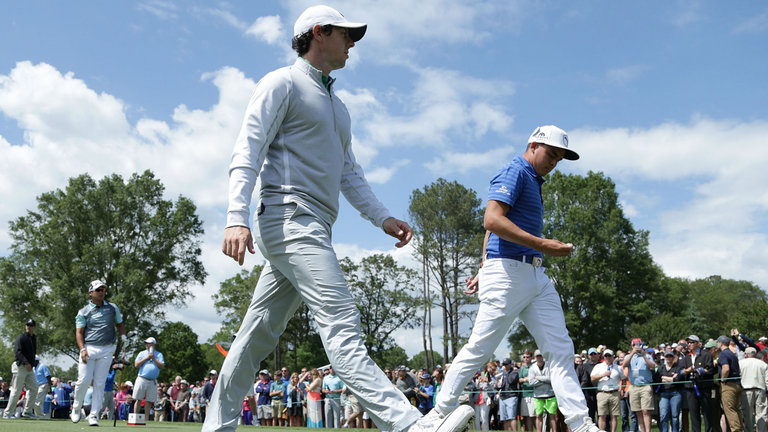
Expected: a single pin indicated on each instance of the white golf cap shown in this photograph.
(96, 285)
(555, 137)
(323, 15)
(150, 340)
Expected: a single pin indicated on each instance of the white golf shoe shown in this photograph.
(434, 421)
(588, 426)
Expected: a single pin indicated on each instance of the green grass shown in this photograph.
(67, 426)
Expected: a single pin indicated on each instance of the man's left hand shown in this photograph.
(399, 230)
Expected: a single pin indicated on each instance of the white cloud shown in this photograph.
(268, 29)
(717, 221)
(162, 9)
(382, 175)
(625, 75)
(441, 109)
(755, 24)
(458, 162)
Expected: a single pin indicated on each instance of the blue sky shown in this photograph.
(668, 100)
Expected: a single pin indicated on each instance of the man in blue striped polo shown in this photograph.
(513, 283)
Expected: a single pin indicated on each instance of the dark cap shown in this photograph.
(426, 376)
(31, 322)
(506, 361)
(724, 339)
(402, 368)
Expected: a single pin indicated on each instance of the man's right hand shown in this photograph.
(84, 356)
(236, 240)
(556, 248)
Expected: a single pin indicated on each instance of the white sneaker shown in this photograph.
(75, 416)
(588, 426)
(29, 416)
(93, 421)
(434, 421)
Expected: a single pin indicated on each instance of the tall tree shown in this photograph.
(146, 248)
(448, 237)
(299, 345)
(384, 294)
(610, 279)
(182, 353)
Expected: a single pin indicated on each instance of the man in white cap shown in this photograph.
(513, 282)
(149, 362)
(96, 337)
(296, 141)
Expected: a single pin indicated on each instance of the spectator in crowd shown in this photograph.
(670, 392)
(294, 401)
(161, 404)
(109, 390)
(149, 362)
(527, 406)
(353, 411)
(437, 379)
(173, 392)
(482, 394)
(181, 402)
(543, 393)
(754, 376)
(276, 393)
(699, 370)
(247, 415)
(332, 388)
(264, 399)
(608, 376)
(43, 378)
(61, 398)
(584, 373)
(682, 351)
(730, 383)
(122, 400)
(207, 392)
(425, 394)
(23, 370)
(508, 387)
(95, 326)
(315, 400)
(406, 382)
(195, 402)
(641, 367)
(47, 404)
(628, 417)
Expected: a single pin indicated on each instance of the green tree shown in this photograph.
(232, 301)
(146, 249)
(448, 238)
(383, 293)
(182, 353)
(420, 360)
(610, 279)
(392, 357)
(708, 307)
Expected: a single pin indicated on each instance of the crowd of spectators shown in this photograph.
(719, 384)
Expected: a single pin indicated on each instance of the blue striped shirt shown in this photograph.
(518, 185)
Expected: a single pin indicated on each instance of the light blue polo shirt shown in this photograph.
(99, 323)
(332, 382)
(42, 373)
(518, 185)
(149, 368)
(639, 373)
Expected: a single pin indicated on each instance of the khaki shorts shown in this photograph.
(264, 412)
(608, 403)
(277, 408)
(527, 407)
(352, 406)
(641, 398)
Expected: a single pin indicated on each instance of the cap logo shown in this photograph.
(565, 141)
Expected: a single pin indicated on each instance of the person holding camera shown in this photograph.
(641, 367)
(23, 370)
(149, 363)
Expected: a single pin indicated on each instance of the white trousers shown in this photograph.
(510, 289)
(302, 266)
(21, 377)
(482, 417)
(96, 370)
